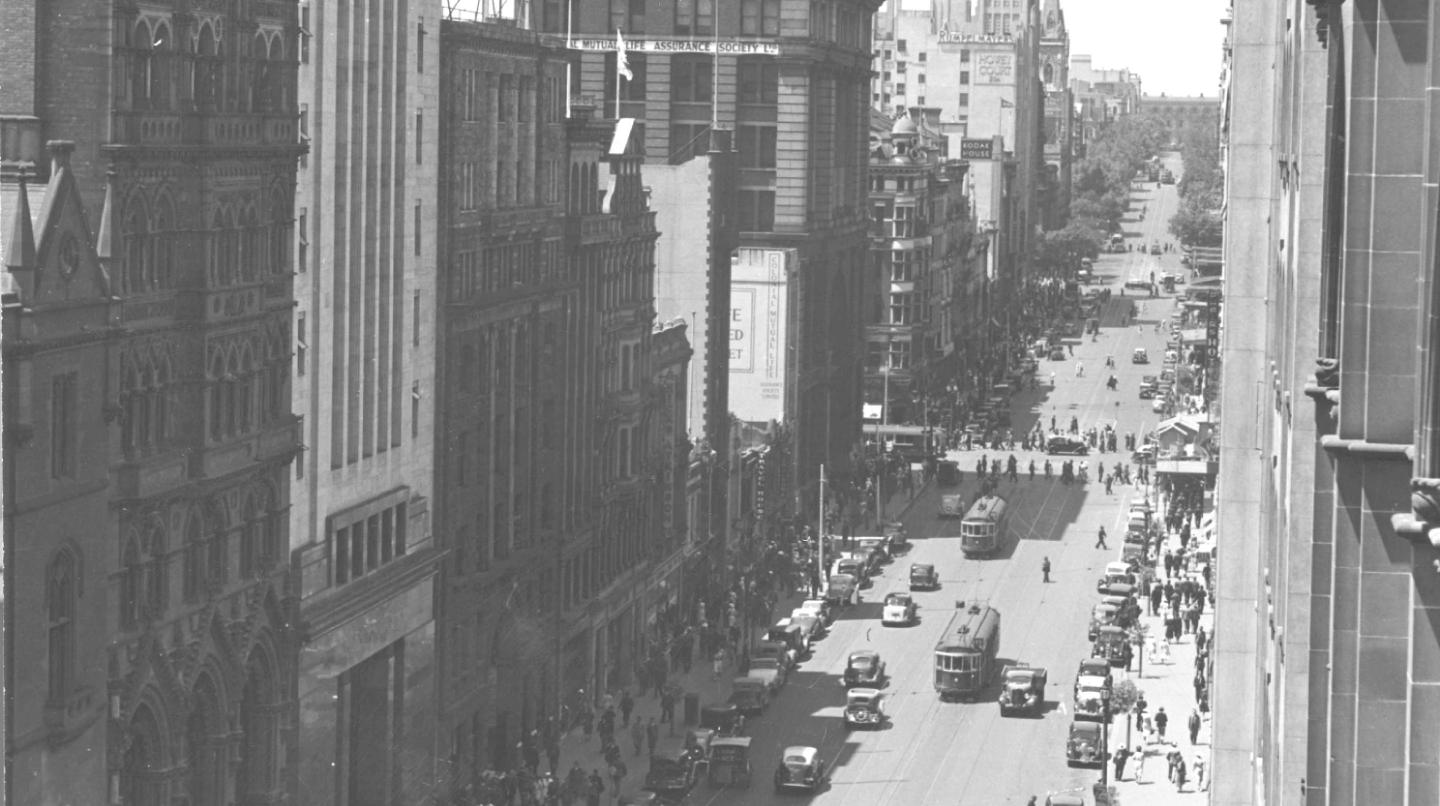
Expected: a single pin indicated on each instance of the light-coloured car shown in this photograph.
(899, 609)
(800, 768)
(864, 708)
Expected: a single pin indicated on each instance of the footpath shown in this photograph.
(1167, 684)
(701, 680)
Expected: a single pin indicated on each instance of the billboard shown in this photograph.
(974, 148)
(758, 332)
(995, 68)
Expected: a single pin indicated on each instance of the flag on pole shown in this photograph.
(1004, 104)
(622, 64)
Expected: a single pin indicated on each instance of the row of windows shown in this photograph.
(894, 354)
(242, 397)
(502, 267)
(478, 185)
(255, 78)
(238, 248)
(367, 544)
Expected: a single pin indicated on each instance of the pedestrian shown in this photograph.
(1120, 756)
(1199, 640)
(1100, 544)
(1140, 706)
(1140, 764)
(587, 720)
(627, 704)
(1194, 722)
(1180, 775)
(1161, 720)
(718, 662)
(1199, 688)
(667, 709)
(1045, 568)
(595, 789)
(618, 771)
(652, 734)
(1199, 766)
(1032, 469)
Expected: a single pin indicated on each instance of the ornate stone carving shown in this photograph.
(1327, 373)
(1425, 499)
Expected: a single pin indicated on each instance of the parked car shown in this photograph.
(1103, 615)
(1065, 444)
(749, 695)
(864, 667)
(1113, 645)
(864, 708)
(923, 577)
(673, 772)
(841, 590)
(1143, 455)
(1092, 692)
(792, 635)
(899, 609)
(783, 654)
(810, 624)
(771, 671)
(1057, 353)
(1140, 356)
(1116, 572)
(1149, 387)
(800, 768)
(1023, 689)
(1094, 667)
(819, 608)
(1084, 745)
(877, 546)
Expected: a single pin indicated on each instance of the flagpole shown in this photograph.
(569, 45)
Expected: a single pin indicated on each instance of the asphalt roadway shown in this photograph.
(964, 753)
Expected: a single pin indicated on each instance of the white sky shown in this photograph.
(1174, 46)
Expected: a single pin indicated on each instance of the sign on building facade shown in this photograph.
(758, 333)
(977, 148)
(732, 47)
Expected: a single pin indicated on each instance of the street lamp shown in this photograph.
(880, 443)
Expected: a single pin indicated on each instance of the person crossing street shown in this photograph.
(1045, 568)
(1100, 543)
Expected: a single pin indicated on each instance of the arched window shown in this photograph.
(162, 268)
(144, 393)
(244, 392)
(217, 397)
(194, 557)
(157, 573)
(205, 743)
(216, 563)
(279, 77)
(140, 65)
(131, 574)
(162, 403)
(133, 399)
(280, 235)
(144, 756)
(159, 68)
(136, 235)
(256, 780)
(247, 253)
(249, 538)
(60, 594)
(208, 75)
(228, 394)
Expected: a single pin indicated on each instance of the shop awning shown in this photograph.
(1187, 467)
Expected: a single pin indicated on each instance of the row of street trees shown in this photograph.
(1197, 221)
(1100, 188)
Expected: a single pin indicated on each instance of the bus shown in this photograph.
(983, 530)
(965, 655)
(914, 442)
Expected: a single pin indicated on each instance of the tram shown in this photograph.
(965, 654)
(983, 531)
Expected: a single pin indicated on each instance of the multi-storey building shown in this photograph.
(514, 476)
(1101, 96)
(1180, 112)
(919, 227)
(184, 128)
(1059, 116)
(360, 531)
(1327, 645)
(791, 79)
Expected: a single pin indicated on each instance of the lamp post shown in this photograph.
(880, 444)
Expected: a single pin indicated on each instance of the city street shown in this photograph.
(965, 753)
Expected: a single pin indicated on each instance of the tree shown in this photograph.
(1060, 248)
(1122, 701)
(1197, 221)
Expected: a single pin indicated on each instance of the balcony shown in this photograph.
(168, 127)
(596, 228)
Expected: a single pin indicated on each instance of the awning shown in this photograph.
(1187, 467)
(1193, 337)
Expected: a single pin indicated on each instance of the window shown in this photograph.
(631, 89)
(903, 224)
(899, 355)
(417, 229)
(921, 57)
(899, 89)
(60, 594)
(759, 81)
(920, 100)
(964, 99)
(920, 79)
(902, 266)
(757, 146)
(964, 55)
(695, 17)
(628, 16)
(685, 134)
(902, 309)
(64, 406)
(419, 136)
(415, 320)
(301, 347)
(760, 17)
(420, 46)
(964, 76)
(691, 79)
(757, 210)
(900, 46)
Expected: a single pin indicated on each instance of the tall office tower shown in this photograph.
(792, 80)
(148, 428)
(360, 535)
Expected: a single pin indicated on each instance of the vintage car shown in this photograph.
(800, 768)
(1084, 746)
(697, 743)
(1149, 386)
(947, 473)
(723, 718)
(952, 505)
(819, 608)
(869, 560)
(1064, 799)
(841, 590)
(1138, 283)
(1140, 356)
(899, 609)
(673, 771)
(792, 635)
(1057, 353)
(1158, 405)
(809, 623)
(1143, 455)
(864, 708)
(895, 536)
(877, 547)
(923, 577)
(750, 695)
(771, 671)
(1119, 588)
(1022, 688)
(1103, 615)
(850, 566)
(1116, 572)
(1062, 443)
(1155, 245)
(776, 650)
(1091, 693)
(729, 761)
(1093, 667)
(1112, 644)
(864, 668)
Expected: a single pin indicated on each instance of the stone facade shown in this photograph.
(1327, 649)
(183, 138)
(360, 528)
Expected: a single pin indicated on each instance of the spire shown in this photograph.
(103, 245)
(21, 254)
